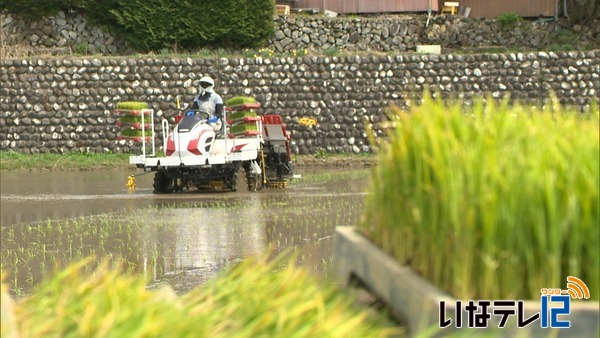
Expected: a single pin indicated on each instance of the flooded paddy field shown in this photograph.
(53, 218)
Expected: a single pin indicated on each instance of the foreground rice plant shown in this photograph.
(492, 204)
(251, 300)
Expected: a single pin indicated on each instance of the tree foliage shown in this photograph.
(157, 24)
(583, 11)
(33, 9)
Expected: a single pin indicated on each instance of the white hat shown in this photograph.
(209, 84)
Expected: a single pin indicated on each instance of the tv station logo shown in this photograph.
(555, 304)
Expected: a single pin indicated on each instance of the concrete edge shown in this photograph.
(415, 301)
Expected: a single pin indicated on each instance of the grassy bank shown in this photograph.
(89, 161)
(71, 161)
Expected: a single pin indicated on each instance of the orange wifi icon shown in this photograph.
(577, 288)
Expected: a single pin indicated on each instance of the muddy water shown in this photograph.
(178, 239)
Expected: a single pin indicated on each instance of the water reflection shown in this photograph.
(29, 197)
(202, 239)
(180, 239)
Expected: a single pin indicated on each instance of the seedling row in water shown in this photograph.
(176, 237)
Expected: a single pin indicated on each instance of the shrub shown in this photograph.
(81, 48)
(493, 204)
(153, 25)
(508, 19)
(158, 24)
(34, 9)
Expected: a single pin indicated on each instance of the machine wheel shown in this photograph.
(230, 182)
(162, 183)
(253, 180)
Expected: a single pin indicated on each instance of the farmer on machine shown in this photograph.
(209, 102)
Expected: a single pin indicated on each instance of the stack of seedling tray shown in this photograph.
(243, 116)
(135, 121)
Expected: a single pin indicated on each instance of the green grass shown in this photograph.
(10, 160)
(254, 299)
(495, 203)
(70, 161)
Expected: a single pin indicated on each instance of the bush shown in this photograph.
(153, 25)
(493, 204)
(159, 24)
(34, 9)
(508, 19)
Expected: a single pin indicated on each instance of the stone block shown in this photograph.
(429, 49)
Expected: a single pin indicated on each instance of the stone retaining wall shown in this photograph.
(52, 105)
(297, 32)
(404, 33)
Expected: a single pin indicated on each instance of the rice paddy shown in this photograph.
(185, 243)
(218, 267)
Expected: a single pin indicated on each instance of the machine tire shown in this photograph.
(162, 183)
(253, 180)
(232, 181)
(229, 178)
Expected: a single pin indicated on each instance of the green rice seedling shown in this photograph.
(132, 105)
(131, 119)
(132, 235)
(239, 100)
(241, 114)
(492, 203)
(241, 128)
(110, 302)
(133, 132)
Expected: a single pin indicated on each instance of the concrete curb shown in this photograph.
(415, 301)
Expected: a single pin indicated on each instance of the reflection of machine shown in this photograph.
(196, 155)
